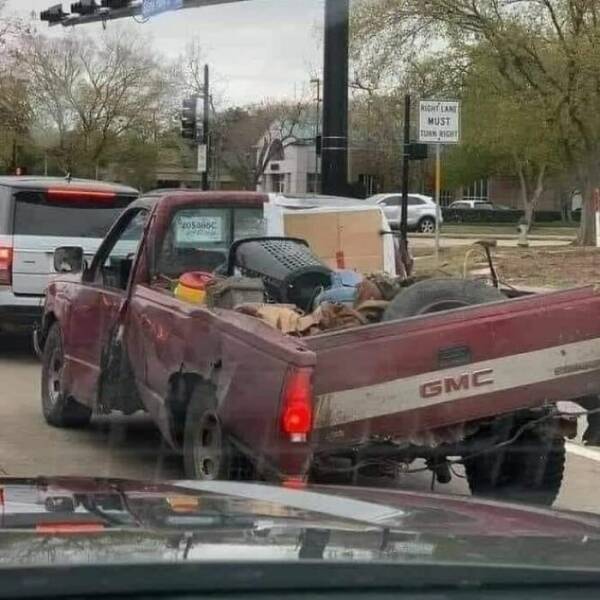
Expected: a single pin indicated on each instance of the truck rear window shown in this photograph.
(38, 213)
(211, 228)
(198, 238)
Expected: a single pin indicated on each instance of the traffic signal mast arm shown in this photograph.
(104, 10)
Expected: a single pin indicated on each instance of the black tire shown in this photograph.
(529, 470)
(434, 295)
(426, 225)
(208, 454)
(59, 409)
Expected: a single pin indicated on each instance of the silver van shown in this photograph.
(37, 215)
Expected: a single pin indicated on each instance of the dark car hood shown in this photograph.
(73, 521)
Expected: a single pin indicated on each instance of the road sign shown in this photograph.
(439, 122)
(154, 7)
(202, 158)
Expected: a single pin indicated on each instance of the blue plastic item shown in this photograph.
(342, 290)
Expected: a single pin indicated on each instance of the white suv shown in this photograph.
(37, 215)
(421, 210)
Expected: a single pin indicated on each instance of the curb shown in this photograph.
(491, 236)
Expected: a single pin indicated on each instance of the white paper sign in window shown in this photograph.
(197, 229)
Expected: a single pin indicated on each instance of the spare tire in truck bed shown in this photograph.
(435, 295)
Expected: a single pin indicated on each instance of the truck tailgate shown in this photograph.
(401, 377)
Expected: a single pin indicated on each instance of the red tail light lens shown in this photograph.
(79, 195)
(6, 260)
(297, 414)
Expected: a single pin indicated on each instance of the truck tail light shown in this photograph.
(297, 405)
(6, 260)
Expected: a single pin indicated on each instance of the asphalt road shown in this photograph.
(131, 447)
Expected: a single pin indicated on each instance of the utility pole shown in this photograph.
(317, 81)
(334, 152)
(205, 128)
(405, 174)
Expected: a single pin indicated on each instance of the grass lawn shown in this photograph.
(552, 228)
(558, 267)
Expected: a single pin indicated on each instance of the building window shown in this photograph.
(278, 183)
(478, 190)
(313, 183)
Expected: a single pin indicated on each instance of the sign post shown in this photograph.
(202, 159)
(597, 214)
(439, 123)
(438, 210)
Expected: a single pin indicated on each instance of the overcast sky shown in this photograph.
(258, 48)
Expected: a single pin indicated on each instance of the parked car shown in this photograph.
(472, 205)
(37, 215)
(421, 210)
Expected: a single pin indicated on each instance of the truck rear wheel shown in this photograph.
(59, 409)
(435, 295)
(529, 470)
(208, 454)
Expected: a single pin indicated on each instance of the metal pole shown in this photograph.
(334, 151)
(405, 173)
(317, 135)
(438, 181)
(206, 124)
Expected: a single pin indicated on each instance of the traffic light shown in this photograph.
(114, 4)
(54, 14)
(85, 7)
(319, 144)
(189, 119)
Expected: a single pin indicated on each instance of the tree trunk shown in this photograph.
(529, 197)
(535, 197)
(587, 228)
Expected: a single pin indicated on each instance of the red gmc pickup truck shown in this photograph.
(454, 373)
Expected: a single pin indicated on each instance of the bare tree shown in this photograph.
(252, 136)
(285, 120)
(92, 92)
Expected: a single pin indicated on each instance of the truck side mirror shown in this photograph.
(68, 259)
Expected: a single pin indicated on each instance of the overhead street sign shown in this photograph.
(154, 7)
(439, 122)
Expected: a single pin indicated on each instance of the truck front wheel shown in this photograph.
(59, 409)
(530, 470)
(208, 454)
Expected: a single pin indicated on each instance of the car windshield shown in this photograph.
(287, 282)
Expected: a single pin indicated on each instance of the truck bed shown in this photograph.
(401, 377)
